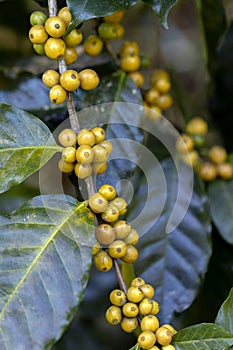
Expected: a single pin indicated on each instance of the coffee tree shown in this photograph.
(127, 241)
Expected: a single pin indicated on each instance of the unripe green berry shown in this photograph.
(107, 31)
(38, 17)
(39, 49)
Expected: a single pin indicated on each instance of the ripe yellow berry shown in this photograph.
(120, 30)
(184, 143)
(89, 79)
(50, 78)
(74, 38)
(170, 327)
(93, 45)
(197, 126)
(129, 324)
(99, 168)
(155, 308)
(55, 48)
(67, 138)
(115, 16)
(69, 154)
(69, 80)
(163, 336)
(108, 191)
(57, 94)
(165, 101)
(157, 75)
(113, 315)
(207, 171)
(103, 261)
(146, 339)
(100, 154)
(217, 154)
(130, 309)
(65, 167)
(55, 26)
(162, 85)
(86, 137)
(122, 229)
(96, 248)
(110, 214)
(70, 55)
(107, 30)
(225, 171)
(130, 63)
(121, 204)
(145, 306)
(118, 297)
(154, 113)
(135, 294)
(152, 96)
(84, 154)
(129, 48)
(65, 14)
(99, 134)
(137, 282)
(149, 323)
(168, 347)
(106, 145)
(105, 234)
(148, 290)
(131, 254)
(38, 34)
(137, 78)
(82, 170)
(117, 249)
(98, 203)
(132, 238)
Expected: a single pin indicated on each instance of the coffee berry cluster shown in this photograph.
(48, 36)
(209, 163)
(84, 153)
(115, 239)
(135, 309)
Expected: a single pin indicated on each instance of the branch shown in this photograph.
(119, 276)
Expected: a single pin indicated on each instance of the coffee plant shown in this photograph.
(116, 175)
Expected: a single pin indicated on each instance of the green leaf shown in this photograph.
(225, 315)
(162, 8)
(204, 336)
(44, 263)
(26, 144)
(135, 347)
(221, 207)
(86, 9)
(174, 263)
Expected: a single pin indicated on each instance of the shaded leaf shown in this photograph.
(26, 144)
(204, 336)
(174, 263)
(221, 191)
(225, 315)
(44, 262)
(86, 9)
(162, 8)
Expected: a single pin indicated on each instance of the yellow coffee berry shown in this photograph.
(191, 158)
(149, 323)
(146, 339)
(65, 167)
(120, 30)
(93, 45)
(130, 309)
(105, 234)
(163, 336)
(131, 254)
(99, 168)
(145, 306)
(122, 229)
(57, 94)
(148, 290)
(137, 282)
(108, 191)
(65, 14)
(225, 171)
(96, 248)
(114, 17)
(154, 113)
(69, 154)
(154, 348)
(55, 26)
(110, 214)
(100, 154)
(99, 134)
(129, 324)
(82, 170)
(168, 347)
(89, 79)
(84, 154)
(38, 34)
(197, 126)
(137, 78)
(135, 294)
(170, 327)
(50, 78)
(70, 55)
(103, 261)
(117, 249)
(113, 315)
(74, 38)
(132, 238)
(217, 154)
(106, 145)
(86, 137)
(97, 203)
(130, 63)
(55, 48)
(165, 101)
(118, 297)
(129, 48)
(121, 204)
(207, 171)
(152, 96)
(155, 308)
(162, 85)
(107, 30)
(69, 80)
(158, 74)
(67, 138)
(184, 143)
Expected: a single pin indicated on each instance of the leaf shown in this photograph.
(162, 8)
(225, 315)
(135, 347)
(86, 9)
(26, 144)
(204, 336)
(174, 263)
(221, 191)
(44, 263)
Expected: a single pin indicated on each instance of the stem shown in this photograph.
(119, 276)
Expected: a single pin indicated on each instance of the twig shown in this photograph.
(119, 276)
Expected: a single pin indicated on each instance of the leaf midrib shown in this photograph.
(58, 148)
(40, 253)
